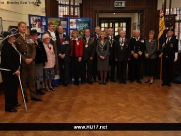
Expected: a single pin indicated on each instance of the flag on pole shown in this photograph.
(162, 31)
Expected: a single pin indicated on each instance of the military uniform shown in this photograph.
(122, 53)
(27, 49)
(88, 51)
(171, 47)
(137, 46)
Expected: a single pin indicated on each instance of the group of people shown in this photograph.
(84, 59)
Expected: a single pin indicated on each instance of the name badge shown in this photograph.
(65, 42)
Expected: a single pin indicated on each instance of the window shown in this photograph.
(64, 9)
(177, 24)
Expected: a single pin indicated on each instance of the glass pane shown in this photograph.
(116, 29)
(124, 29)
(106, 24)
(102, 24)
(110, 24)
(116, 33)
(124, 25)
(116, 24)
(102, 29)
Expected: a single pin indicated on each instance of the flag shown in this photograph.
(162, 32)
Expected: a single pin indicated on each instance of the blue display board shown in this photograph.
(40, 23)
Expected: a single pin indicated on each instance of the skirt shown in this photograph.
(150, 67)
(103, 65)
(49, 73)
(39, 76)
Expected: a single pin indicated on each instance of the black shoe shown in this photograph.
(139, 81)
(124, 82)
(51, 88)
(36, 99)
(56, 85)
(100, 83)
(131, 81)
(120, 82)
(163, 84)
(90, 82)
(26, 100)
(10, 110)
(104, 83)
(93, 80)
(64, 85)
(147, 81)
(40, 92)
(17, 105)
(112, 80)
(169, 84)
(61, 83)
(82, 82)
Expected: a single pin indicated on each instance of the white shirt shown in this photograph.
(52, 33)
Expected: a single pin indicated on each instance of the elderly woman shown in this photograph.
(102, 50)
(150, 55)
(40, 60)
(10, 66)
(49, 73)
(76, 53)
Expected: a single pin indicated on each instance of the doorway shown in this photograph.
(114, 23)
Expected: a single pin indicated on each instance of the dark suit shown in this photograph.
(88, 51)
(94, 68)
(171, 47)
(112, 61)
(136, 47)
(132, 39)
(41, 56)
(122, 53)
(63, 47)
(10, 59)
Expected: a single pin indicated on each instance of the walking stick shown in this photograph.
(22, 94)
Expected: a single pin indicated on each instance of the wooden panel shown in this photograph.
(150, 18)
(51, 8)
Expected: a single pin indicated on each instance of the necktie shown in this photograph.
(60, 39)
(122, 40)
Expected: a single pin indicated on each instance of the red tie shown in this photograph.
(60, 39)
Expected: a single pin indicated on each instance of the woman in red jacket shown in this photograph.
(76, 52)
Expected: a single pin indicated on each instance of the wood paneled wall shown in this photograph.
(51, 8)
(147, 7)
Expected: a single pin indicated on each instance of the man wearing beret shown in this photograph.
(170, 55)
(28, 51)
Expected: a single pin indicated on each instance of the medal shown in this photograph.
(86, 45)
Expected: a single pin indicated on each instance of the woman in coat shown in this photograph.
(10, 69)
(102, 50)
(150, 55)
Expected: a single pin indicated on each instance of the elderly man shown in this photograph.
(137, 48)
(94, 68)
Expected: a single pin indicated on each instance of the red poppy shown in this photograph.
(49, 48)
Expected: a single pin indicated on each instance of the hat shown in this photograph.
(45, 36)
(9, 33)
(34, 31)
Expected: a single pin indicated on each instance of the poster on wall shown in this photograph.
(65, 24)
(55, 21)
(82, 24)
(35, 23)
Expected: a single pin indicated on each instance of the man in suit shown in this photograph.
(63, 48)
(137, 48)
(27, 49)
(132, 39)
(122, 55)
(52, 34)
(94, 68)
(112, 62)
(170, 55)
(88, 56)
